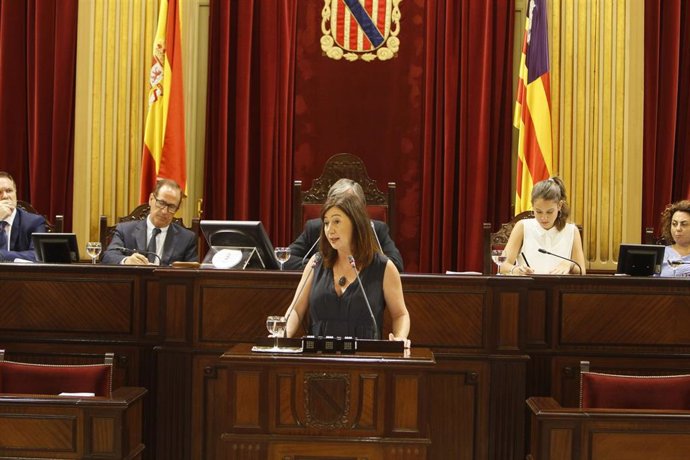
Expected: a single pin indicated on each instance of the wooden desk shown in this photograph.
(59, 427)
(560, 433)
(496, 340)
(368, 405)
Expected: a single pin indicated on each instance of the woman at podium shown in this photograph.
(347, 285)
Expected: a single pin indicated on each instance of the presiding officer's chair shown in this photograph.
(307, 204)
(53, 379)
(106, 231)
(56, 227)
(500, 237)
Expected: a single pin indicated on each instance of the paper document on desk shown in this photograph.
(449, 272)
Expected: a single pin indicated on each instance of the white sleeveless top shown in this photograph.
(558, 242)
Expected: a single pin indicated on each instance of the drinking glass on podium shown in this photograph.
(498, 256)
(282, 254)
(276, 326)
(93, 249)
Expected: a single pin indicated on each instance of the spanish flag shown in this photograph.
(164, 142)
(533, 107)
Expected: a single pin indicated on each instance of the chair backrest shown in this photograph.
(651, 238)
(105, 231)
(53, 379)
(500, 237)
(614, 391)
(307, 204)
(52, 227)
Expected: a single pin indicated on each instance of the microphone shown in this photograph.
(366, 299)
(377, 237)
(291, 308)
(304, 259)
(129, 252)
(544, 251)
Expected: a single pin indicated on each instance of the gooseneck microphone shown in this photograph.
(544, 251)
(129, 252)
(291, 308)
(377, 237)
(304, 259)
(366, 299)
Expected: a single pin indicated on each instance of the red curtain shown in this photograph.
(466, 159)
(435, 119)
(666, 173)
(249, 113)
(38, 42)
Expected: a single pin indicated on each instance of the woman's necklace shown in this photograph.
(341, 281)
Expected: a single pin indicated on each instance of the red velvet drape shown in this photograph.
(666, 174)
(249, 113)
(466, 162)
(435, 119)
(38, 42)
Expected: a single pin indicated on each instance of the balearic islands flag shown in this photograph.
(164, 142)
(533, 107)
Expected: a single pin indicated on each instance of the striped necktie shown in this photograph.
(3, 234)
(151, 248)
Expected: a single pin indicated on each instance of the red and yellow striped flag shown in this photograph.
(533, 107)
(164, 141)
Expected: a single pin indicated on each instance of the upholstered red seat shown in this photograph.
(612, 391)
(53, 379)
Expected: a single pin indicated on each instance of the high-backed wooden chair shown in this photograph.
(52, 227)
(106, 231)
(500, 237)
(307, 204)
(615, 391)
(53, 379)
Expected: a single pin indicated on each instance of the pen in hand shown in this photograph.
(524, 258)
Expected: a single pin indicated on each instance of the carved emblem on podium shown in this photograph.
(327, 400)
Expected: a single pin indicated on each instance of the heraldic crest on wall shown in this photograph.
(360, 29)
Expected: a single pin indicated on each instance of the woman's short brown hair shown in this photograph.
(667, 217)
(363, 243)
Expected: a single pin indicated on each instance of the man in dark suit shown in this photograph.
(157, 239)
(16, 225)
(307, 243)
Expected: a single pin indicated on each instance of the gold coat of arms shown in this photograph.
(360, 29)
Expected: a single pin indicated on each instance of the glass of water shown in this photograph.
(276, 327)
(93, 249)
(282, 254)
(498, 256)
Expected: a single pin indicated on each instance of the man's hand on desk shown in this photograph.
(136, 259)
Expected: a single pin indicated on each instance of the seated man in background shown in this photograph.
(16, 225)
(157, 239)
(306, 244)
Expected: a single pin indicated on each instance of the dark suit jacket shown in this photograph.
(179, 245)
(306, 244)
(21, 244)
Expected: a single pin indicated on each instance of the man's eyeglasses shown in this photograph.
(171, 208)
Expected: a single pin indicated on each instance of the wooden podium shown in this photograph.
(336, 406)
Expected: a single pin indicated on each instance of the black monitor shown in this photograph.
(56, 248)
(228, 234)
(640, 259)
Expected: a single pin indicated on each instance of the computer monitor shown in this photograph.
(56, 248)
(239, 234)
(640, 259)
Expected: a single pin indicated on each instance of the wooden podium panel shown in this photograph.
(58, 427)
(560, 433)
(363, 406)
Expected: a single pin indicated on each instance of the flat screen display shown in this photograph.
(56, 248)
(640, 259)
(233, 234)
